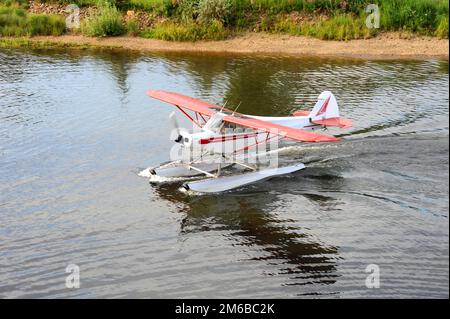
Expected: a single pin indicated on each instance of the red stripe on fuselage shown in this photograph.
(226, 138)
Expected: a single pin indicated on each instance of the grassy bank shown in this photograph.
(15, 21)
(192, 20)
(23, 42)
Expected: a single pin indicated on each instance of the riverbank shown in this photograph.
(384, 46)
(299, 28)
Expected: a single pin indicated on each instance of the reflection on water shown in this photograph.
(76, 127)
(292, 249)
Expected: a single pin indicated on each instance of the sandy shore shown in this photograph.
(385, 46)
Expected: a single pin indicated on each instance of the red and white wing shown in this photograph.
(208, 109)
(186, 102)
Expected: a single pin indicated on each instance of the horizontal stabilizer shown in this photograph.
(301, 113)
(335, 121)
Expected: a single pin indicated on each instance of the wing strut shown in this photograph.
(189, 117)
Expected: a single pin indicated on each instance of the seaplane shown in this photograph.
(222, 139)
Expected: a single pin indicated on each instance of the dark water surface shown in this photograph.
(77, 127)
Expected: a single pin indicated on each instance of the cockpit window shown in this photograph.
(228, 112)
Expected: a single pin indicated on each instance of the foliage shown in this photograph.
(133, 27)
(442, 28)
(14, 21)
(170, 31)
(219, 10)
(188, 10)
(340, 27)
(106, 22)
(420, 16)
(195, 19)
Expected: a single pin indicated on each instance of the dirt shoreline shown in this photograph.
(384, 46)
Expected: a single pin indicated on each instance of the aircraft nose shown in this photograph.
(178, 139)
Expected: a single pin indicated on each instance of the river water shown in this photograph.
(76, 128)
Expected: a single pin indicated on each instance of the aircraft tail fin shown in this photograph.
(326, 107)
(326, 112)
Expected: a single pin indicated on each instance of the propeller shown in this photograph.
(175, 125)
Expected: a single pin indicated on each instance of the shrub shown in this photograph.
(215, 31)
(167, 8)
(188, 10)
(206, 11)
(215, 10)
(106, 22)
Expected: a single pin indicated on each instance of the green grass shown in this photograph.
(170, 31)
(106, 22)
(133, 28)
(33, 43)
(15, 21)
(286, 6)
(41, 24)
(442, 28)
(418, 16)
(25, 42)
(147, 5)
(14, 3)
(341, 27)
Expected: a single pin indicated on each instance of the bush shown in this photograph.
(106, 22)
(215, 31)
(206, 11)
(167, 8)
(188, 10)
(215, 10)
